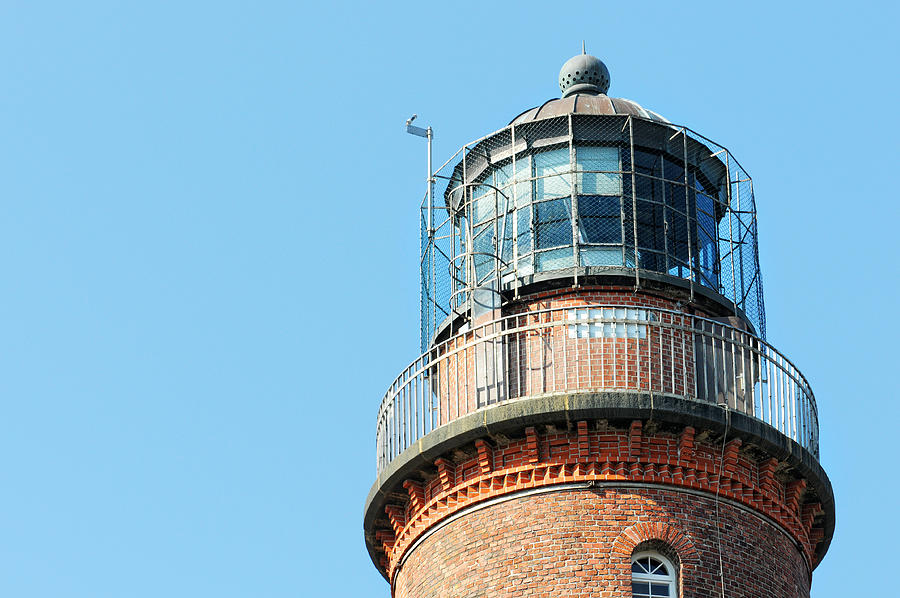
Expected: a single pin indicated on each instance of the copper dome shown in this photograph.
(582, 103)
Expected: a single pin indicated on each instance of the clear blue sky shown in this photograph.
(208, 248)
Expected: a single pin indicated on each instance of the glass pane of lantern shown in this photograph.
(551, 170)
(598, 170)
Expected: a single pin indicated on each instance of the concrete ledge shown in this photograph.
(514, 416)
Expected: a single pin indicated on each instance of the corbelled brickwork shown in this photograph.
(601, 453)
(579, 543)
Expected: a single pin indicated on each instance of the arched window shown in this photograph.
(652, 575)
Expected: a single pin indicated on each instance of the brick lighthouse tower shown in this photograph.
(596, 411)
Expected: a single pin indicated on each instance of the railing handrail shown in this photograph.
(719, 334)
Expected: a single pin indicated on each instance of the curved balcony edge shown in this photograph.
(595, 348)
(567, 408)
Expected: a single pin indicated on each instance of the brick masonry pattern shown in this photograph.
(580, 542)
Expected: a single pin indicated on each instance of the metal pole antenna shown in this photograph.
(430, 181)
(429, 135)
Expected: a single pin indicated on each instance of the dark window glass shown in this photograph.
(554, 226)
(674, 169)
(599, 219)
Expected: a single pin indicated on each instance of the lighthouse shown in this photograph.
(596, 410)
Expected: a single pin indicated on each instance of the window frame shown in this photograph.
(671, 579)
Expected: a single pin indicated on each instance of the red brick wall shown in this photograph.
(591, 296)
(579, 543)
(544, 357)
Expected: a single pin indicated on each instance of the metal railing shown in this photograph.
(596, 348)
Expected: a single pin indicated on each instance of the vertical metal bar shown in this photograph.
(532, 216)
(466, 374)
(662, 366)
(715, 365)
(729, 212)
(752, 381)
(590, 346)
(743, 376)
(649, 355)
(404, 412)
(634, 216)
(499, 375)
(540, 338)
(518, 358)
(703, 337)
(573, 178)
(672, 358)
(455, 385)
(807, 417)
(490, 371)
(665, 207)
(455, 234)
(577, 362)
(780, 388)
(471, 276)
(430, 181)
(410, 398)
(515, 208)
(781, 406)
(687, 214)
(391, 416)
(780, 396)
(434, 391)
(415, 408)
(475, 346)
(737, 189)
(529, 356)
(638, 365)
(733, 369)
(603, 349)
(769, 386)
(422, 408)
(548, 330)
(625, 350)
(395, 409)
(566, 348)
(410, 401)
(793, 406)
(622, 201)
(498, 242)
(683, 335)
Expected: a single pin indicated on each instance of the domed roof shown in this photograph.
(584, 81)
(582, 103)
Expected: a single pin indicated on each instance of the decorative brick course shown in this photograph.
(633, 452)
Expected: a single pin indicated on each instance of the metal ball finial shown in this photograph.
(583, 74)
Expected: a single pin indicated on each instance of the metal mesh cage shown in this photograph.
(586, 194)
